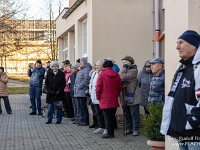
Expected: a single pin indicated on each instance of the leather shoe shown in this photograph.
(32, 113)
(84, 124)
(39, 113)
(58, 122)
(92, 126)
(48, 122)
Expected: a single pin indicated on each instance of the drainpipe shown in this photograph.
(158, 36)
(157, 27)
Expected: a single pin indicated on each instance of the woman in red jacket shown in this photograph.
(108, 88)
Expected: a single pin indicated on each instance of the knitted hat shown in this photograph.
(83, 59)
(74, 66)
(191, 37)
(39, 61)
(2, 68)
(109, 58)
(129, 58)
(53, 63)
(147, 63)
(108, 63)
(78, 60)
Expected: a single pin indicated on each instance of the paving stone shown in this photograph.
(20, 131)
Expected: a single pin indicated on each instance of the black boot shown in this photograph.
(94, 122)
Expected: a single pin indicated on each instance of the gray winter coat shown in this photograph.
(144, 80)
(82, 81)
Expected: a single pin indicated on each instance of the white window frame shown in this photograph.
(65, 47)
(83, 39)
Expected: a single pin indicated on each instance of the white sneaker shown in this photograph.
(105, 131)
(99, 131)
(128, 132)
(135, 133)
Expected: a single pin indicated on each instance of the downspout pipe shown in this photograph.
(157, 27)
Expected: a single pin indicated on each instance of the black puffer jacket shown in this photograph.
(55, 83)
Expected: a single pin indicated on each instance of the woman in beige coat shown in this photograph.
(132, 98)
(4, 91)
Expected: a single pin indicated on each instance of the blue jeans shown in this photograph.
(51, 111)
(83, 109)
(35, 93)
(132, 116)
(189, 145)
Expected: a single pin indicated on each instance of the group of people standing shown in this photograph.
(73, 87)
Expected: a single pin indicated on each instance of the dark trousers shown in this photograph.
(146, 111)
(83, 108)
(100, 117)
(7, 104)
(68, 106)
(109, 116)
(132, 117)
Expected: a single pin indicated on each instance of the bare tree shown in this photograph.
(10, 10)
(53, 9)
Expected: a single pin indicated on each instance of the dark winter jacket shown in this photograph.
(144, 80)
(108, 88)
(181, 113)
(157, 88)
(72, 82)
(55, 83)
(37, 76)
(82, 81)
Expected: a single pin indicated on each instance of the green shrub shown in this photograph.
(151, 123)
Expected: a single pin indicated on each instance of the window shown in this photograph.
(65, 48)
(84, 38)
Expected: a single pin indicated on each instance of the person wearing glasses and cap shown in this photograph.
(144, 80)
(157, 85)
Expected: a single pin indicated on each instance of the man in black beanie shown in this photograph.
(181, 113)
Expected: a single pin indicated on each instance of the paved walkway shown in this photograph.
(20, 131)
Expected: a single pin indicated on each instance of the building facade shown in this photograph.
(25, 41)
(98, 29)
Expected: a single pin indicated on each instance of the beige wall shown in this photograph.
(71, 2)
(115, 29)
(123, 28)
(180, 15)
(112, 31)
